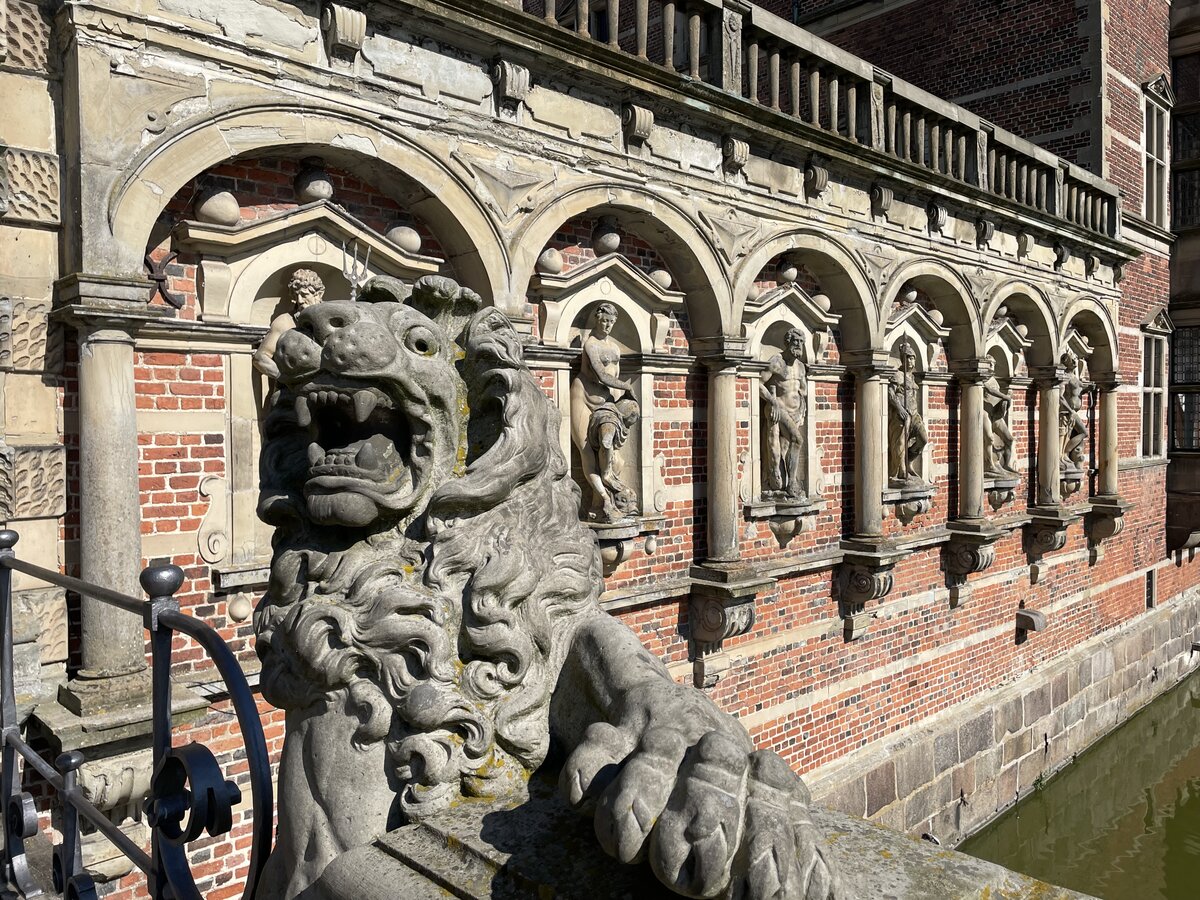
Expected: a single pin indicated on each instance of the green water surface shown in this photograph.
(1122, 822)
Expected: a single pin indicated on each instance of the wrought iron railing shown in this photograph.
(189, 794)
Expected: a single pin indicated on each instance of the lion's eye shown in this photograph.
(421, 340)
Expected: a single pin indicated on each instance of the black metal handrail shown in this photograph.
(188, 792)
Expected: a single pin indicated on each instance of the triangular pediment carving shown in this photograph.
(1160, 89)
(1158, 322)
(794, 306)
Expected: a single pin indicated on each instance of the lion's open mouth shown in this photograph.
(362, 440)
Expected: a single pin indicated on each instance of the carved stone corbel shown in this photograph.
(735, 153)
(512, 83)
(816, 177)
(970, 550)
(721, 606)
(865, 577)
(1061, 255)
(1024, 244)
(636, 123)
(117, 786)
(1046, 532)
(882, 198)
(1105, 520)
(985, 230)
(345, 29)
(938, 216)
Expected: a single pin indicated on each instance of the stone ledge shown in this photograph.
(542, 849)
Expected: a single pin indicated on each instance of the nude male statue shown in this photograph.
(907, 435)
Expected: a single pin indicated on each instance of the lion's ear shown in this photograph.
(385, 289)
(446, 302)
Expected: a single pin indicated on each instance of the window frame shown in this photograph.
(1156, 152)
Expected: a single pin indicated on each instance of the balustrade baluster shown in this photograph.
(814, 95)
(582, 17)
(1072, 203)
(551, 12)
(752, 69)
(1022, 182)
(889, 131)
(852, 111)
(961, 162)
(668, 28)
(642, 13)
(921, 160)
(614, 18)
(948, 149)
(795, 88)
(694, 43)
(935, 146)
(773, 76)
(1043, 197)
(833, 102)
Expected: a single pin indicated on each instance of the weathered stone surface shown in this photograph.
(881, 787)
(914, 768)
(541, 849)
(975, 736)
(431, 572)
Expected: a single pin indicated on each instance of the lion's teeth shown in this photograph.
(367, 457)
(364, 404)
(316, 453)
(303, 414)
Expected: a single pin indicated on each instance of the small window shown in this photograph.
(1151, 589)
(1154, 385)
(1155, 197)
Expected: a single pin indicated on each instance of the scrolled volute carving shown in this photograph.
(712, 621)
(345, 28)
(513, 83)
(636, 123)
(735, 153)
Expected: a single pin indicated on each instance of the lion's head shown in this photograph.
(429, 560)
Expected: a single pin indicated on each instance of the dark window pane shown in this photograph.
(1187, 198)
(1185, 356)
(1185, 421)
(1186, 78)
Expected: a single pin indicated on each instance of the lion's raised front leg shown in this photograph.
(333, 796)
(671, 779)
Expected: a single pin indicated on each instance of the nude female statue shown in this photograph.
(603, 412)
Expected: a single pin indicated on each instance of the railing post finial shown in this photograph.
(160, 582)
(8, 539)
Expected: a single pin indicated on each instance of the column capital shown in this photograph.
(868, 363)
(1108, 383)
(1047, 376)
(975, 370)
(721, 351)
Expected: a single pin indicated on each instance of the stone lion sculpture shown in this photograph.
(432, 631)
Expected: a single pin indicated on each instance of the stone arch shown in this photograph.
(1091, 318)
(950, 295)
(843, 279)
(688, 251)
(462, 226)
(1031, 308)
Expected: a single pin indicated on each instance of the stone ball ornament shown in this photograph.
(606, 236)
(662, 278)
(218, 207)
(550, 262)
(432, 627)
(312, 182)
(405, 237)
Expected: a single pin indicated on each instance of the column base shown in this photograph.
(92, 695)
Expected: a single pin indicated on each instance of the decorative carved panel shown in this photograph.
(28, 186)
(27, 343)
(25, 41)
(32, 482)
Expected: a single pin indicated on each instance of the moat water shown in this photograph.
(1123, 821)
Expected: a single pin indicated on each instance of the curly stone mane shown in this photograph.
(440, 631)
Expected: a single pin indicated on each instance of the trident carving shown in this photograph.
(356, 275)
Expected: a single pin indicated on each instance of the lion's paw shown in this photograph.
(713, 820)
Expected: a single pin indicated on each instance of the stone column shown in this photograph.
(722, 460)
(1049, 441)
(870, 446)
(105, 313)
(1108, 482)
(970, 375)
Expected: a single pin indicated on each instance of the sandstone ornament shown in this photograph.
(432, 628)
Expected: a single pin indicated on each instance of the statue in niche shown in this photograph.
(306, 288)
(998, 438)
(603, 413)
(784, 392)
(907, 435)
(1072, 423)
(433, 633)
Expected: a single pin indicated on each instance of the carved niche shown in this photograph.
(1006, 346)
(604, 330)
(788, 332)
(915, 336)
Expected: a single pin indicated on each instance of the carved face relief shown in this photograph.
(369, 412)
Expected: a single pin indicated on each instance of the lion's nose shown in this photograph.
(323, 319)
(364, 346)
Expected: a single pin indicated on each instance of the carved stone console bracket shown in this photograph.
(816, 176)
(1105, 520)
(512, 85)
(721, 606)
(735, 153)
(345, 29)
(910, 500)
(882, 198)
(785, 517)
(636, 123)
(1045, 533)
(619, 539)
(1001, 490)
(865, 578)
(971, 549)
